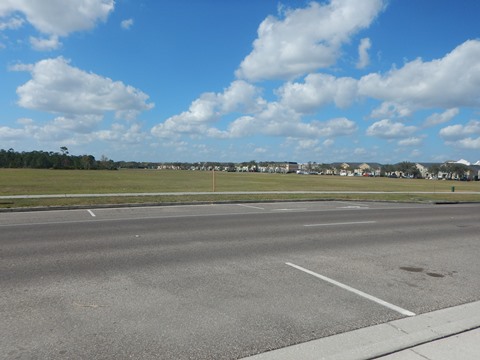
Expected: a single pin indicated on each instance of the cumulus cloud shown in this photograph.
(328, 143)
(304, 40)
(126, 24)
(210, 107)
(387, 129)
(360, 151)
(308, 143)
(55, 18)
(120, 133)
(449, 82)
(277, 120)
(79, 100)
(58, 87)
(318, 90)
(444, 117)
(74, 131)
(469, 143)
(43, 44)
(411, 141)
(8, 133)
(457, 132)
(363, 57)
(462, 136)
(11, 24)
(391, 110)
(259, 117)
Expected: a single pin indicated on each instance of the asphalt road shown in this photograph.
(225, 281)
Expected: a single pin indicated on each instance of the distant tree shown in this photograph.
(47, 160)
(434, 169)
(454, 170)
(408, 169)
(388, 169)
(88, 162)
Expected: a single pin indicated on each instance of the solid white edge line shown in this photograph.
(343, 223)
(91, 213)
(355, 291)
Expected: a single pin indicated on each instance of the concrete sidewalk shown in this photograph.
(452, 333)
(464, 346)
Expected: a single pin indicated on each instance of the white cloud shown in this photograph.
(58, 87)
(452, 80)
(307, 144)
(126, 24)
(210, 107)
(411, 141)
(444, 117)
(69, 130)
(391, 110)
(81, 100)
(119, 133)
(8, 133)
(21, 67)
(363, 57)
(360, 151)
(469, 143)
(12, 23)
(56, 18)
(388, 129)
(277, 120)
(77, 130)
(84, 124)
(449, 82)
(457, 132)
(336, 127)
(260, 151)
(328, 143)
(318, 90)
(40, 44)
(307, 39)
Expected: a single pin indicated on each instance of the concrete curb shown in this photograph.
(384, 339)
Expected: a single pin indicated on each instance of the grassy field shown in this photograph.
(35, 182)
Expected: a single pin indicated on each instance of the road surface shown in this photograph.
(225, 281)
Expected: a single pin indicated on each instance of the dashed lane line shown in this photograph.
(342, 223)
(355, 291)
(251, 206)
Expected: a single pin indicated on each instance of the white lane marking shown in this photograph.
(91, 213)
(349, 203)
(353, 207)
(300, 209)
(251, 206)
(343, 223)
(355, 291)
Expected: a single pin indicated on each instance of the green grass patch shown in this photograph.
(36, 182)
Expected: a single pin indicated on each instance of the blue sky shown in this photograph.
(217, 80)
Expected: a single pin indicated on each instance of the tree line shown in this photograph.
(64, 160)
(53, 160)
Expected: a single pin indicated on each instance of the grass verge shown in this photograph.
(34, 182)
